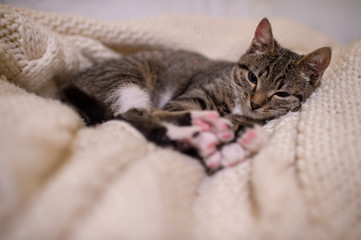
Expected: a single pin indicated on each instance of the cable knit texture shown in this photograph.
(62, 180)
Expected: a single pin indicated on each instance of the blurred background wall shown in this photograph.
(340, 19)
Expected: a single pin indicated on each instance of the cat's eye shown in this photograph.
(252, 78)
(282, 94)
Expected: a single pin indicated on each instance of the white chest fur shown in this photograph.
(130, 97)
(237, 109)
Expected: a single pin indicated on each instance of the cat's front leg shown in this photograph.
(213, 137)
(199, 131)
(205, 132)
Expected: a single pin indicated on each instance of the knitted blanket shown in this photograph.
(62, 180)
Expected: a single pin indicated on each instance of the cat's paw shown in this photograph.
(231, 154)
(186, 137)
(253, 139)
(210, 121)
(207, 132)
(210, 135)
(228, 155)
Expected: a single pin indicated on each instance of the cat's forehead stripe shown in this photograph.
(280, 82)
(263, 71)
(243, 66)
(281, 65)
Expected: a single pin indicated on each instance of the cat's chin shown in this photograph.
(257, 115)
(253, 114)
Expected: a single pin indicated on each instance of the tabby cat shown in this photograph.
(200, 106)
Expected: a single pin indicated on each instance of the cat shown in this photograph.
(203, 107)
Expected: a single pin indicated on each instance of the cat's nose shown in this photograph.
(254, 105)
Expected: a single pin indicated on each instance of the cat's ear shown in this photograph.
(263, 41)
(315, 63)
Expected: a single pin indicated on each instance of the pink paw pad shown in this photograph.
(203, 125)
(212, 122)
(213, 115)
(213, 161)
(213, 165)
(224, 126)
(253, 139)
(250, 136)
(206, 144)
(227, 135)
(211, 145)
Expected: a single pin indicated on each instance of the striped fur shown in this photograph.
(164, 85)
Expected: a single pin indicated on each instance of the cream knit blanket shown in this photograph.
(61, 180)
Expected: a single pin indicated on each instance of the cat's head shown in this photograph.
(272, 80)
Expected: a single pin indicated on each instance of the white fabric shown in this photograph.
(61, 180)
